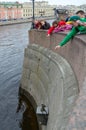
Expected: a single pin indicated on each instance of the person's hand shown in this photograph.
(57, 47)
(85, 24)
(48, 35)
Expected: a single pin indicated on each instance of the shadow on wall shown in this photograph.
(29, 119)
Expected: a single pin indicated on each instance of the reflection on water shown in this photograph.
(29, 120)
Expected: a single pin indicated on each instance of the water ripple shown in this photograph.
(13, 41)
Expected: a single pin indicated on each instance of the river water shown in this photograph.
(13, 40)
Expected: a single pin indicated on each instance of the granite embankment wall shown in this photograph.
(74, 51)
(11, 22)
(53, 77)
(20, 21)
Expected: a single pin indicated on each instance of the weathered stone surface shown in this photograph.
(44, 77)
(75, 53)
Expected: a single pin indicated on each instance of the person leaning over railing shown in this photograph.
(51, 29)
(77, 27)
(45, 25)
(81, 14)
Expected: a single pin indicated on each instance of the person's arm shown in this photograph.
(50, 31)
(71, 34)
(81, 23)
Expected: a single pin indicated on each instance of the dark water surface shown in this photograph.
(13, 40)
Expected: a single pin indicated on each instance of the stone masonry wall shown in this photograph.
(50, 80)
(74, 51)
(54, 77)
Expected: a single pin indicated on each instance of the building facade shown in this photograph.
(41, 8)
(9, 11)
(15, 10)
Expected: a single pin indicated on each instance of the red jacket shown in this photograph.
(61, 23)
(50, 30)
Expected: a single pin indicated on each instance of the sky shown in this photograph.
(54, 2)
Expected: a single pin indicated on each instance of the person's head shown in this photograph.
(80, 13)
(36, 21)
(43, 22)
(61, 23)
(74, 20)
(55, 23)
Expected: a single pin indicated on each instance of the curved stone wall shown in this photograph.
(74, 51)
(50, 80)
